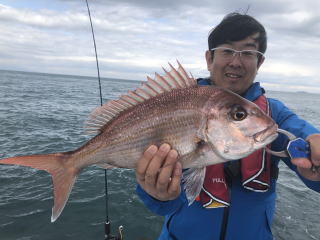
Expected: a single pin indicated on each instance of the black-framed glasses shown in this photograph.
(245, 55)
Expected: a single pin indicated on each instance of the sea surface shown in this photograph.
(44, 113)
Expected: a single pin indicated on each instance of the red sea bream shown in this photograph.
(205, 124)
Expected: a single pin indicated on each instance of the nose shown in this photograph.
(236, 60)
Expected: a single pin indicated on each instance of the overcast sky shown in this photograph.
(136, 37)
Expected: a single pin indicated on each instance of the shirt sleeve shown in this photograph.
(291, 122)
(160, 207)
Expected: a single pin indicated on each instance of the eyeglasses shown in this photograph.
(245, 55)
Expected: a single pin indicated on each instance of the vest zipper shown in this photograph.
(229, 175)
(224, 223)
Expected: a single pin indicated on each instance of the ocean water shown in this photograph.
(44, 113)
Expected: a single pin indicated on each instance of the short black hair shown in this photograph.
(236, 27)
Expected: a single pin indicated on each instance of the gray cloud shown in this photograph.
(135, 38)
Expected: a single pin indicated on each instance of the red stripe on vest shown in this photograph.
(255, 172)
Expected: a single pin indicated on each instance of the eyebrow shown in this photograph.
(249, 44)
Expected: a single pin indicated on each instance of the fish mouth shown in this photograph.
(267, 135)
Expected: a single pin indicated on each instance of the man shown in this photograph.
(245, 211)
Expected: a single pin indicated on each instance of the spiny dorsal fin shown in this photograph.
(173, 79)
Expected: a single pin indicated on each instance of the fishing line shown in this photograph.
(107, 222)
(95, 51)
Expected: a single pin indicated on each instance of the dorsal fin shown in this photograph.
(173, 79)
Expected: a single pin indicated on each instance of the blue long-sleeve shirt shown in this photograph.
(250, 213)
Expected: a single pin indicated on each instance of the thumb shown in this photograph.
(302, 162)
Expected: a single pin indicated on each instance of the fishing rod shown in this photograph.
(107, 226)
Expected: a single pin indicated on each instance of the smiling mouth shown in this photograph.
(233, 75)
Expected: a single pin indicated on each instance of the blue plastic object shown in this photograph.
(298, 148)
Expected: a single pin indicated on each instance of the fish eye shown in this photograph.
(238, 113)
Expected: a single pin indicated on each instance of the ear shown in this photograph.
(209, 59)
(260, 63)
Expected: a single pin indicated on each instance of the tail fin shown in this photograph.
(60, 166)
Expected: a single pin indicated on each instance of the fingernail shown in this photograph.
(165, 147)
(152, 149)
(173, 154)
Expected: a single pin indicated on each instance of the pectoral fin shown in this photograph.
(192, 180)
(204, 155)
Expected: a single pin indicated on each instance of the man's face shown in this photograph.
(235, 74)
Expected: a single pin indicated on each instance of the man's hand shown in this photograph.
(305, 166)
(159, 173)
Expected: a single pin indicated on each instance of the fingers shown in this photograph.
(309, 168)
(165, 173)
(313, 175)
(143, 163)
(158, 172)
(155, 165)
(174, 188)
(304, 167)
(302, 162)
(314, 141)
